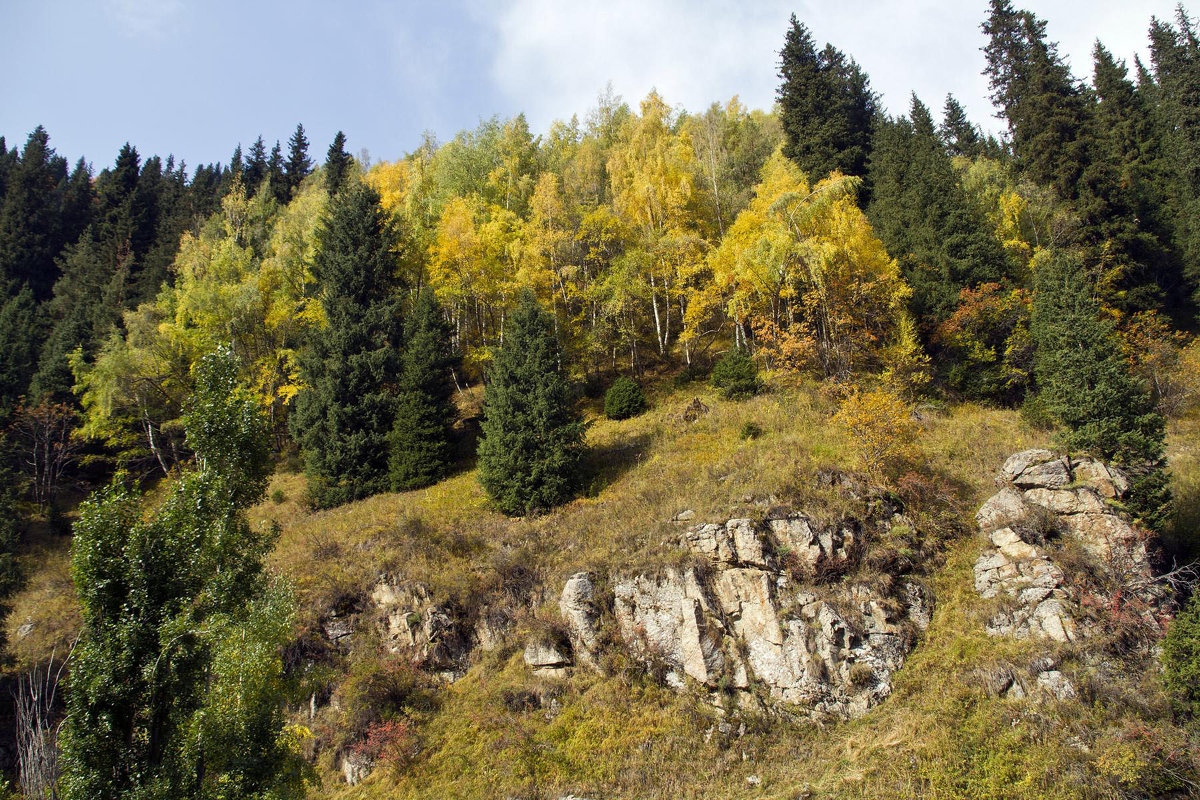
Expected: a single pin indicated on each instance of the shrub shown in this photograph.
(1181, 658)
(690, 374)
(278, 496)
(881, 429)
(751, 430)
(736, 375)
(624, 399)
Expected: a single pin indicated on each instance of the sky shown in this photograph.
(197, 77)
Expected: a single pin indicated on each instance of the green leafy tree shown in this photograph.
(176, 683)
(624, 399)
(420, 440)
(532, 443)
(343, 419)
(1086, 386)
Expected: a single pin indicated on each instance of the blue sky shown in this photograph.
(196, 77)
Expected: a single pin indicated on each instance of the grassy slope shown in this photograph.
(939, 735)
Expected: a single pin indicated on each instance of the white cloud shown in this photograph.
(553, 56)
(145, 18)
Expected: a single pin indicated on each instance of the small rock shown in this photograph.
(684, 516)
(1057, 685)
(753, 780)
(546, 658)
(356, 767)
(25, 629)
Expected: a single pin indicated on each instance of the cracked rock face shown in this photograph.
(744, 620)
(1073, 496)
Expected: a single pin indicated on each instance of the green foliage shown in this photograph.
(826, 107)
(624, 399)
(532, 442)
(420, 439)
(1181, 657)
(1086, 385)
(736, 375)
(18, 348)
(922, 214)
(176, 683)
(343, 418)
(337, 164)
(750, 430)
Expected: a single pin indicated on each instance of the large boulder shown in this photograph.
(1033, 584)
(744, 619)
(578, 608)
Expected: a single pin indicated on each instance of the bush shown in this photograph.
(624, 399)
(690, 374)
(751, 430)
(881, 429)
(736, 375)
(1181, 658)
(278, 496)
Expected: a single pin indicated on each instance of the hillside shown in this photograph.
(501, 729)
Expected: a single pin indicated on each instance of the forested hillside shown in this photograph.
(300, 450)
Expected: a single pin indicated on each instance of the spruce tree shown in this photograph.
(342, 421)
(337, 164)
(959, 135)
(29, 218)
(922, 214)
(529, 457)
(420, 440)
(299, 165)
(1085, 384)
(826, 107)
(256, 166)
(276, 179)
(176, 683)
(19, 337)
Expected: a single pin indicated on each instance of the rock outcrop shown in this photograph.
(1045, 496)
(744, 619)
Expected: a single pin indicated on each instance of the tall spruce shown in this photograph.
(922, 214)
(276, 178)
(420, 446)
(342, 421)
(826, 106)
(1085, 383)
(30, 236)
(256, 166)
(532, 444)
(298, 165)
(337, 164)
(176, 685)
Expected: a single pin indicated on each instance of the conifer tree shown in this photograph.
(1085, 384)
(826, 107)
(924, 217)
(342, 421)
(532, 444)
(276, 179)
(256, 166)
(298, 165)
(19, 337)
(29, 217)
(337, 164)
(420, 440)
(176, 682)
(959, 135)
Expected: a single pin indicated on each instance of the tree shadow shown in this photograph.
(604, 464)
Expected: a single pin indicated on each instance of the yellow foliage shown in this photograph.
(881, 430)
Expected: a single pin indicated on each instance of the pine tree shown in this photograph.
(276, 179)
(343, 419)
(299, 165)
(959, 135)
(29, 218)
(19, 338)
(529, 457)
(77, 204)
(420, 439)
(256, 166)
(176, 682)
(1085, 384)
(923, 216)
(337, 164)
(826, 106)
